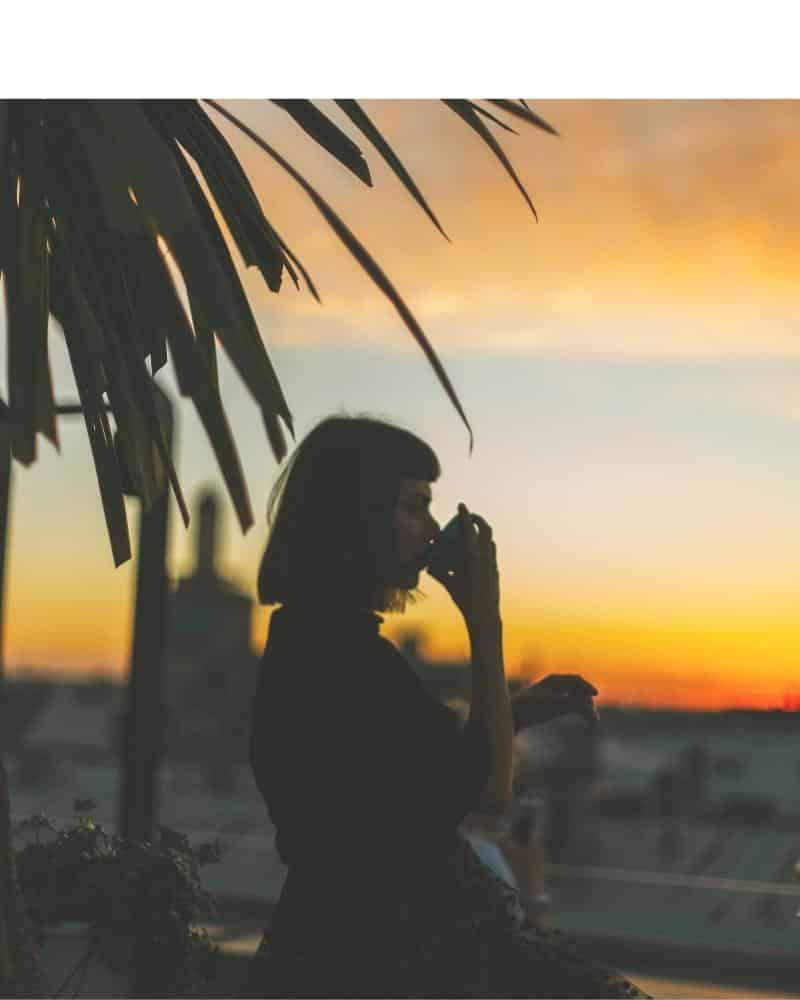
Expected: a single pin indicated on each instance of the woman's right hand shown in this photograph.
(475, 585)
(556, 695)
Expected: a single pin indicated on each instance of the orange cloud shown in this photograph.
(682, 210)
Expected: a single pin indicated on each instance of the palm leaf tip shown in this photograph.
(328, 135)
(361, 120)
(493, 118)
(466, 111)
(523, 111)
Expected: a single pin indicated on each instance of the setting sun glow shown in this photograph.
(630, 366)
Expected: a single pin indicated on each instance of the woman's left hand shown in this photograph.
(556, 695)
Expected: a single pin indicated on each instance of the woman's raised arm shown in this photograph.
(476, 592)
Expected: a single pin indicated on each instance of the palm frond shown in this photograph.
(105, 236)
(5, 168)
(101, 206)
(185, 123)
(253, 364)
(306, 277)
(522, 111)
(328, 135)
(27, 294)
(361, 120)
(493, 118)
(76, 320)
(465, 110)
(363, 257)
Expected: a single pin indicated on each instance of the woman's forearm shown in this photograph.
(491, 710)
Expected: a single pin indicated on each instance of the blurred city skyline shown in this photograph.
(628, 366)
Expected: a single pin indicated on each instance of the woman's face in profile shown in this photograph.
(415, 528)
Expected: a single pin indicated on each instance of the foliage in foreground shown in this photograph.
(142, 900)
(101, 208)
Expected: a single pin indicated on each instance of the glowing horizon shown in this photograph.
(629, 366)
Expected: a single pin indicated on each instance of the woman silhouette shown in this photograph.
(367, 777)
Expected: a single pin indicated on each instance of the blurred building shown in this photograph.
(210, 664)
(209, 680)
(21, 701)
(208, 615)
(73, 723)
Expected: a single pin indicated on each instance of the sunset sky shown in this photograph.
(630, 366)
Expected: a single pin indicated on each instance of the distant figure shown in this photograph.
(696, 773)
(515, 854)
(390, 900)
(667, 793)
(523, 846)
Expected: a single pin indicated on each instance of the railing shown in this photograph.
(673, 879)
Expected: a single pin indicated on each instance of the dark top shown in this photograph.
(366, 778)
(355, 760)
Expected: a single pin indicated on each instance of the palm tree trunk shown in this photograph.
(21, 973)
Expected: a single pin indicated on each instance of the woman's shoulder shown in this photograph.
(322, 644)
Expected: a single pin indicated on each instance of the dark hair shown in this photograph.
(332, 539)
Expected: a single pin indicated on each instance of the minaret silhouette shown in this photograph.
(210, 617)
(206, 537)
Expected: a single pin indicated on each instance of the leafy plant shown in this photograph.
(142, 900)
(99, 204)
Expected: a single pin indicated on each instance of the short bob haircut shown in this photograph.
(332, 541)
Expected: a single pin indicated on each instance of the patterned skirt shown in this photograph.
(463, 933)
